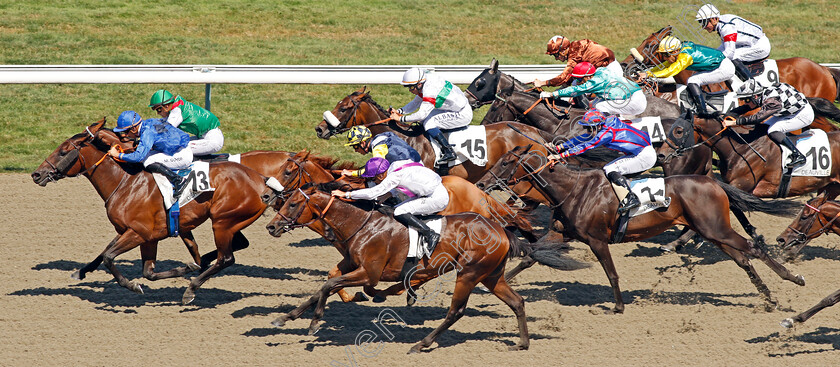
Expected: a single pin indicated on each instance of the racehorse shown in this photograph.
(304, 168)
(358, 108)
(134, 208)
(375, 246)
(808, 77)
(509, 100)
(586, 204)
(800, 232)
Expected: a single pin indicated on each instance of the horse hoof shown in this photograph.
(136, 288)
(360, 297)
(188, 297)
(193, 267)
(280, 321)
(77, 275)
(517, 347)
(787, 323)
(800, 280)
(378, 298)
(416, 349)
(409, 300)
(314, 327)
(668, 248)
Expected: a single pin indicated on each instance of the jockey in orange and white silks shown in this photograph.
(741, 41)
(574, 53)
(438, 104)
(423, 186)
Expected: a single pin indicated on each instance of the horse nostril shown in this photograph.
(318, 130)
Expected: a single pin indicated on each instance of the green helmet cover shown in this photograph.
(160, 97)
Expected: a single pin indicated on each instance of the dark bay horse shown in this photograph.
(817, 217)
(375, 246)
(586, 205)
(304, 168)
(358, 108)
(134, 207)
(509, 100)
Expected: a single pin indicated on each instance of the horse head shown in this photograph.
(483, 89)
(645, 55)
(507, 168)
(295, 212)
(357, 108)
(67, 160)
(802, 229)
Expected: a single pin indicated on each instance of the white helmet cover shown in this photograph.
(750, 88)
(707, 11)
(413, 76)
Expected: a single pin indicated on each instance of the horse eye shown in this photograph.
(480, 84)
(505, 163)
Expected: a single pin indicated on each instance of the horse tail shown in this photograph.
(747, 202)
(824, 107)
(507, 214)
(552, 255)
(835, 73)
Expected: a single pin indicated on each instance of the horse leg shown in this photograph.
(127, 241)
(345, 296)
(502, 290)
(463, 286)
(686, 235)
(602, 252)
(81, 273)
(748, 227)
(192, 248)
(224, 245)
(525, 263)
(148, 254)
(829, 301)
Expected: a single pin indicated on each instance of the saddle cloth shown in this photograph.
(652, 125)
(721, 101)
(814, 145)
(767, 74)
(469, 144)
(198, 181)
(414, 248)
(651, 193)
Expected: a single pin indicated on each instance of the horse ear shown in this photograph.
(364, 89)
(96, 126)
(299, 156)
(494, 66)
(528, 148)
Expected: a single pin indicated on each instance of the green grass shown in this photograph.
(35, 118)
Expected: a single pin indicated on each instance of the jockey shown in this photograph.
(161, 147)
(710, 66)
(740, 40)
(574, 53)
(202, 124)
(438, 104)
(783, 108)
(618, 96)
(616, 135)
(385, 145)
(428, 195)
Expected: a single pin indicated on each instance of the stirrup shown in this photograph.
(626, 205)
(447, 156)
(797, 161)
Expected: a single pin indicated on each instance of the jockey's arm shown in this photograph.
(683, 61)
(175, 117)
(770, 107)
(411, 106)
(576, 90)
(379, 151)
(389, 183)
(142, 150)
(727, 41)
(587, 142)
(427, 104)
(564, 77)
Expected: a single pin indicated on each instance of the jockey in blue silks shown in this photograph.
(161, 146)
(610, 132)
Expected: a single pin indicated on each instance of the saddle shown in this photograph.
(755, 67)
(210, 158)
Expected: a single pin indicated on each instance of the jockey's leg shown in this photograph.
(210, 143)
(447, 154)
(163, 164)
(437, 201)
(779, 126)
(439, 119)
(699, 98)
(616, 170)
(724, 72)
(741, 70)
(631, 200)
(635, 105)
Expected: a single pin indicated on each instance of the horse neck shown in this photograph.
(318, 173)
(369, 112)
(731, 150)
(344, 218)
(105, 177)
(564, 185)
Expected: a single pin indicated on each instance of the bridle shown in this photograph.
(803, 237)
(59, 170)
(504, 184)
(300, 172)
(342, 126)
(320, 216)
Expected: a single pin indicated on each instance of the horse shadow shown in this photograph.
(133, 269)
(401, 325)
(312, 242)
(822, 336)
(582, 294)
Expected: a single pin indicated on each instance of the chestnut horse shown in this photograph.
(358, 108)
(800, 232)
(304, 168)
(808, 77)
(586, 204)
(375, 246)
(133, 204)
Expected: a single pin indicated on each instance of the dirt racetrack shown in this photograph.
(692, 308)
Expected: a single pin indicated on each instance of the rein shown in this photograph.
(802, 236)
(321, 216)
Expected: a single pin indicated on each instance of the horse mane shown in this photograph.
(328, 162)
(367, 98)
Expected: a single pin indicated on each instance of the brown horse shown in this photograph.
(808, 77)
(375, 246)
(586, 204)
(304, 168)
(358, 108)
(134, 208)
(803, 230)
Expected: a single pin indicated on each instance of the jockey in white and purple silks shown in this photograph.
(610, 132)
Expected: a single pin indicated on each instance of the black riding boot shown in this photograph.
(699, 99)
(447, 154)
(796, 157)
(176, 180)
(741, 70)
(409, 220)
(581, 101)
(631, 201)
